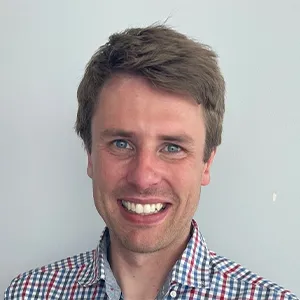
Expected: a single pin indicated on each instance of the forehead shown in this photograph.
(131, 103)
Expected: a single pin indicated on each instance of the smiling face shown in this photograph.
(146, 163)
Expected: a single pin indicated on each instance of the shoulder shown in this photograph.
(246, 281)
(39, 282)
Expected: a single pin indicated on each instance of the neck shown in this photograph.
(142, 275)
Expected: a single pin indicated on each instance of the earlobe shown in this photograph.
(89, 168)
(206, 170)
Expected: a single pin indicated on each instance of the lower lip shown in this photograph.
(137, 219)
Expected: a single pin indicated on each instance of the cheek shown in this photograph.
(108, 172)
(186, 180)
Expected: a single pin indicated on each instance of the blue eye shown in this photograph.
(172, 148)
(121, 144)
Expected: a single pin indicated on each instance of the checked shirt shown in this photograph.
(198, 274)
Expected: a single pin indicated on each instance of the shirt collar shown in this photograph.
(93, 272)
(192, 269)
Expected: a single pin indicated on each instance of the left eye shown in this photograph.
(172, 148)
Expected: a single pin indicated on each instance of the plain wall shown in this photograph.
(46, 206)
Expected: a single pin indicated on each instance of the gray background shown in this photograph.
(46, 207)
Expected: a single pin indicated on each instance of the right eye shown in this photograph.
(121, 144)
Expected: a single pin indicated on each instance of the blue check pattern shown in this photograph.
(198, 274)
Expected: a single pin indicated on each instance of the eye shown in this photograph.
(121, 144)
(172, 148)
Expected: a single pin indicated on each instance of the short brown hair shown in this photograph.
(167, 59)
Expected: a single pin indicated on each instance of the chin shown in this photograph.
(142, 243)
(142, 248)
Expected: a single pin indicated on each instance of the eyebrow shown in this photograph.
(181, 138)
(177, 138)
(115, 133)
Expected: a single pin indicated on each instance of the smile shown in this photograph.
(143, 209)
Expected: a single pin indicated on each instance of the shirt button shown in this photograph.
(173, 294)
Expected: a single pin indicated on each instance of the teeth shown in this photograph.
(147, 209)
(131, 206)
(139, 209)
(143, 209)
(158, 206)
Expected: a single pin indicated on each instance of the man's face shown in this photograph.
(146, 163)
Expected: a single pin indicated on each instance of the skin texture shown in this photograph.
(147, 146)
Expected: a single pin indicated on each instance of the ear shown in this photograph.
(206, 170)
(89, 168)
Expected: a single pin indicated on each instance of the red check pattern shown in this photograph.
(198, 274)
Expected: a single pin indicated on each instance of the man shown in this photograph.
(151, 106)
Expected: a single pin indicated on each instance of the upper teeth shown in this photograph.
(142, 208)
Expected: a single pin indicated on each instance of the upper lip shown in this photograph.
(142, 200)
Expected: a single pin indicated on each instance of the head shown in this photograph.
(151, 106)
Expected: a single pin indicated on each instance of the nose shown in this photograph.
(144, 170)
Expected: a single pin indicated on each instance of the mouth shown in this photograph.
(143, 209)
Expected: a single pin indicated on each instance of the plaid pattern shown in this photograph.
(199, 274)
